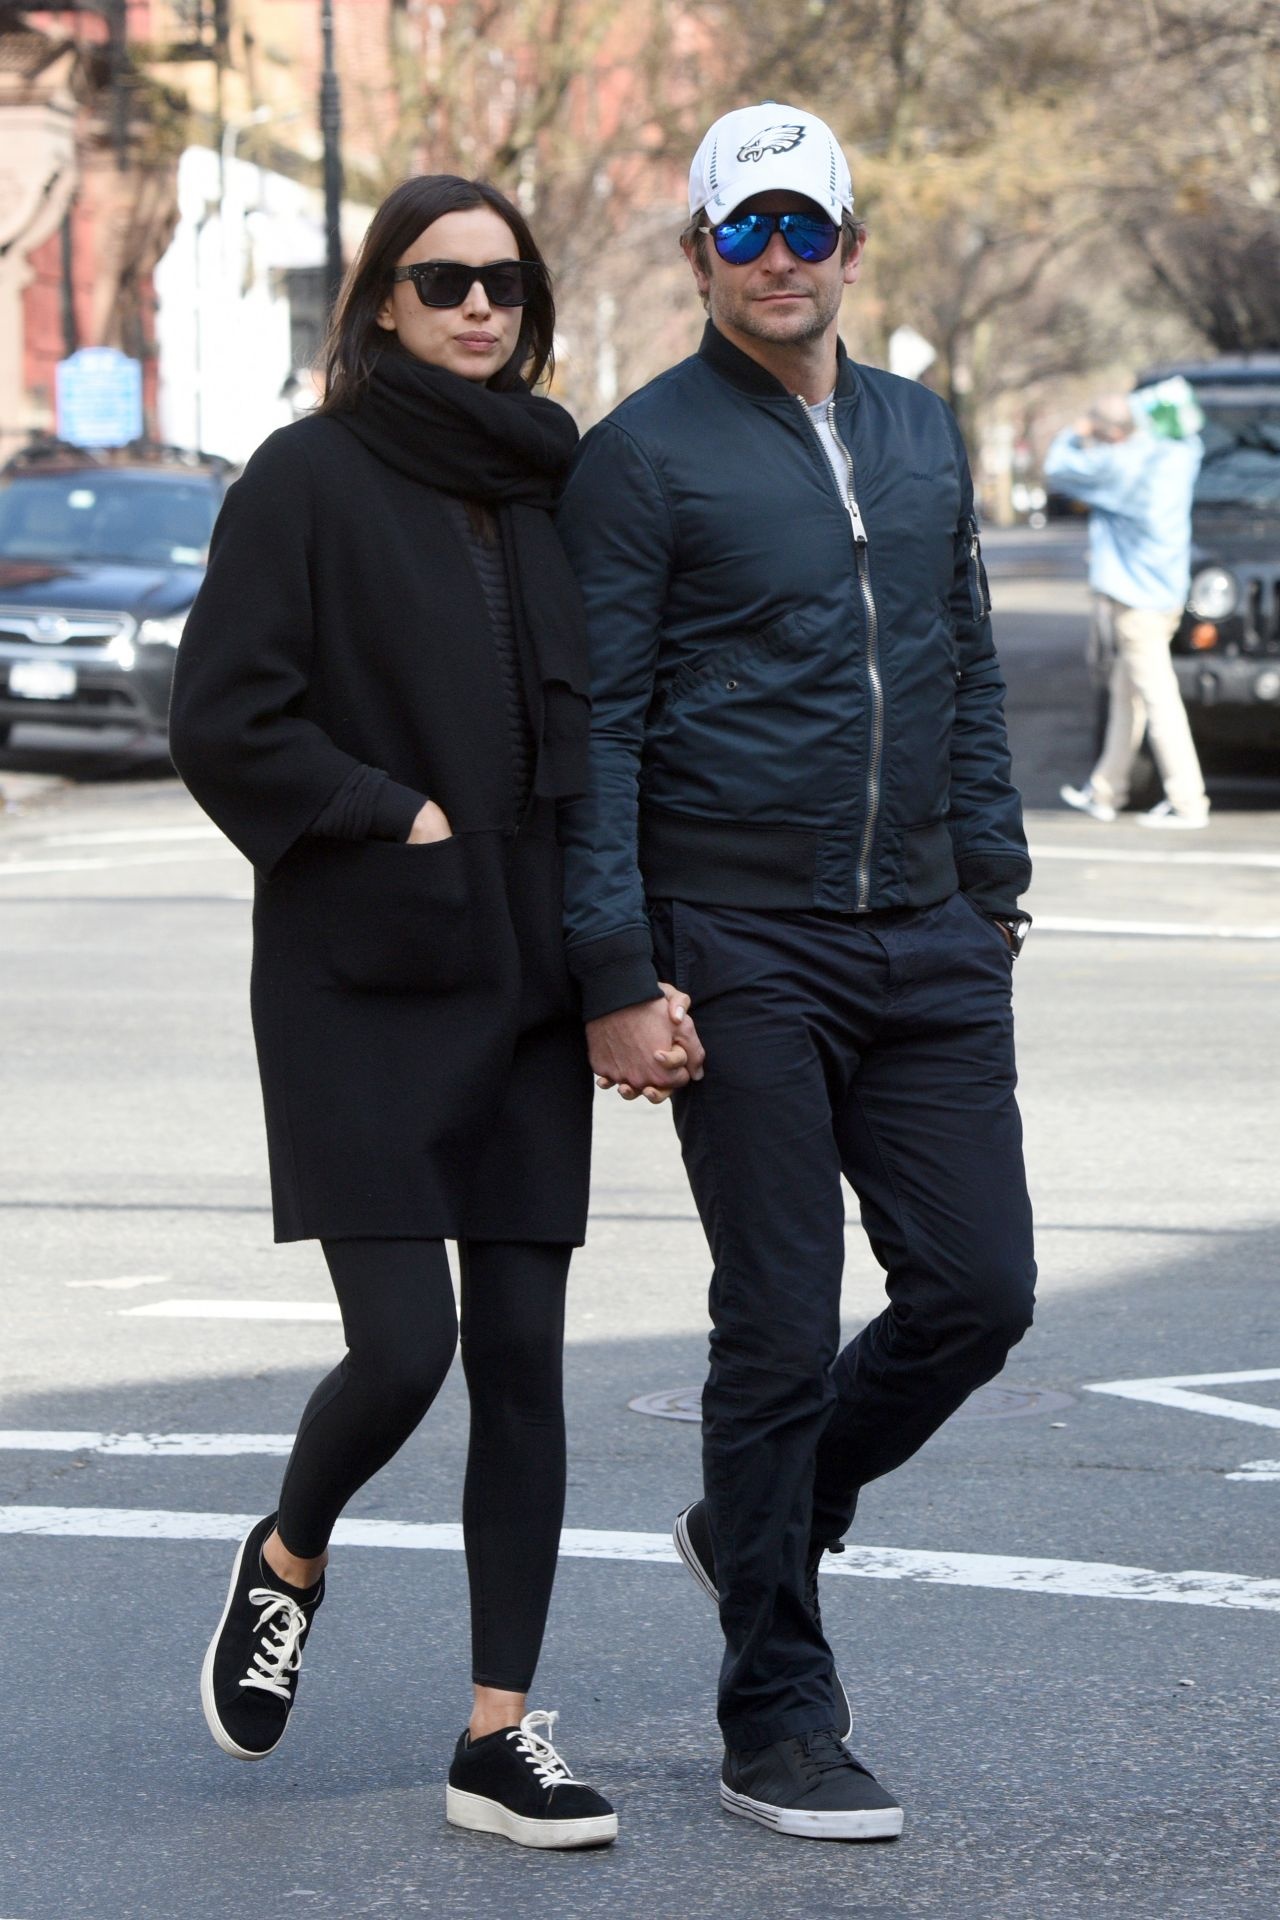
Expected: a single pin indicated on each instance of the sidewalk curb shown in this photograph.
(19, 791)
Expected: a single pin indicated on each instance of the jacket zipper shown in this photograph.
(874, 683)
(976, 595)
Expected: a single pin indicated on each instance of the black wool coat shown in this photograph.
(421, 1051)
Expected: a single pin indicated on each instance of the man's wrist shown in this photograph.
(615, 971)
(621, 983)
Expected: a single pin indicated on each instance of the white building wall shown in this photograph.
(226, 374)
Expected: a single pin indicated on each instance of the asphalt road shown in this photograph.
(1058, 1623)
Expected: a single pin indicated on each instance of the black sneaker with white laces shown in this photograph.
(692, 1536)
(811, 1787)
(513, 1782)
(250, 1672)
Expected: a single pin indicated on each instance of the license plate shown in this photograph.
(42, 680)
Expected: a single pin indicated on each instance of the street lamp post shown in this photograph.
(331, 135)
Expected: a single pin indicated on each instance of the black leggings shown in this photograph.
(401, 1328)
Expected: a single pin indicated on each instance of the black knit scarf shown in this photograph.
(510, 451)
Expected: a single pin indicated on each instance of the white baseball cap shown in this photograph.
(765, 149)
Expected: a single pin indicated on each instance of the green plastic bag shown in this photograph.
(1170, 408)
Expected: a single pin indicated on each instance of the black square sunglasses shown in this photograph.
(446, 283)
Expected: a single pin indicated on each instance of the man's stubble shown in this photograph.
(755, 319)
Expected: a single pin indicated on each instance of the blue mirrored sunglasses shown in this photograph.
(745, 237)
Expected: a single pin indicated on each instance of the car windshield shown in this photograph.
(1241, 465)
(90, 514)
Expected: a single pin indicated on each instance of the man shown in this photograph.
(1138, 485)
(800, 813)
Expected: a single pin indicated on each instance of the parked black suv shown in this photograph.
(1227, 650)
(101, 555)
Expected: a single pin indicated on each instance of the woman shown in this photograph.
(380, 697)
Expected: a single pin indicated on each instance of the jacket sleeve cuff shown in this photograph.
(615, 972)
(395, 809)
(993, 881)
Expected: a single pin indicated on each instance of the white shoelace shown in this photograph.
(282, 1624)
(535, 1747)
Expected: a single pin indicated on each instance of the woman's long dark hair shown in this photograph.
(355, 339)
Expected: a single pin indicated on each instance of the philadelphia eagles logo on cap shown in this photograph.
(772, 140)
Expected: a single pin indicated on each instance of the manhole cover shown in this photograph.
(988, 1403)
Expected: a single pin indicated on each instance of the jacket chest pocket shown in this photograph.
(742, 665)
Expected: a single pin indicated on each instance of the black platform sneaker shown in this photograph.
(514, 1782)
(692, 1536)
(250, 1672)
(811, 1787)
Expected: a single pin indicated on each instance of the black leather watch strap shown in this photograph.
(1016, 928)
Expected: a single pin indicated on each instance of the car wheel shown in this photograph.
(6, 728)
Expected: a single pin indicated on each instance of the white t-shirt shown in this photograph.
(837, 458)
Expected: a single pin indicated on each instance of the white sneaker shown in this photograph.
(1167, 815)
(1084, 800)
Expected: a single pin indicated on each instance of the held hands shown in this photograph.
(431, 823)
(648, 1049)
(651, 1048)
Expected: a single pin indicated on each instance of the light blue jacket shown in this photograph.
(1139, 493)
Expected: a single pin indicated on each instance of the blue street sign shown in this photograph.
(99, 394)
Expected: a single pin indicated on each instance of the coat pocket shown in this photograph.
(990, 929)
(397, 918)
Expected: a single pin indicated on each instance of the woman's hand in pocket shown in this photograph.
(431, 823)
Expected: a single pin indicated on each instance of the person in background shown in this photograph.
(380, 697)
(1137, 483)
(800, 799)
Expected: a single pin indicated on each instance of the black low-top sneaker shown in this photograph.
(810, 1786)
(692, 1536)
(514, 1782)
(250, 1672)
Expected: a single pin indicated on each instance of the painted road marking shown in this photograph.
(1152, 929)
(129, 836)
(1172, 1391)
(1153, 857)
(1075, 1579)
(1257, 1470)
(234, 1310)
(163, 1445)
(125, 1281)
(15, 869)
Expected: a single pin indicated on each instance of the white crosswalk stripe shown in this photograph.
(233, 1310)
(1151, 929)
(1070, 1579)
(157, 1445)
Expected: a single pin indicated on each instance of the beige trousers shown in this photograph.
(1145, 698)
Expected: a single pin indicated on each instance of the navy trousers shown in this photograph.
(879, 1048)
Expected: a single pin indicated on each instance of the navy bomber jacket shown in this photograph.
(796, 698)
